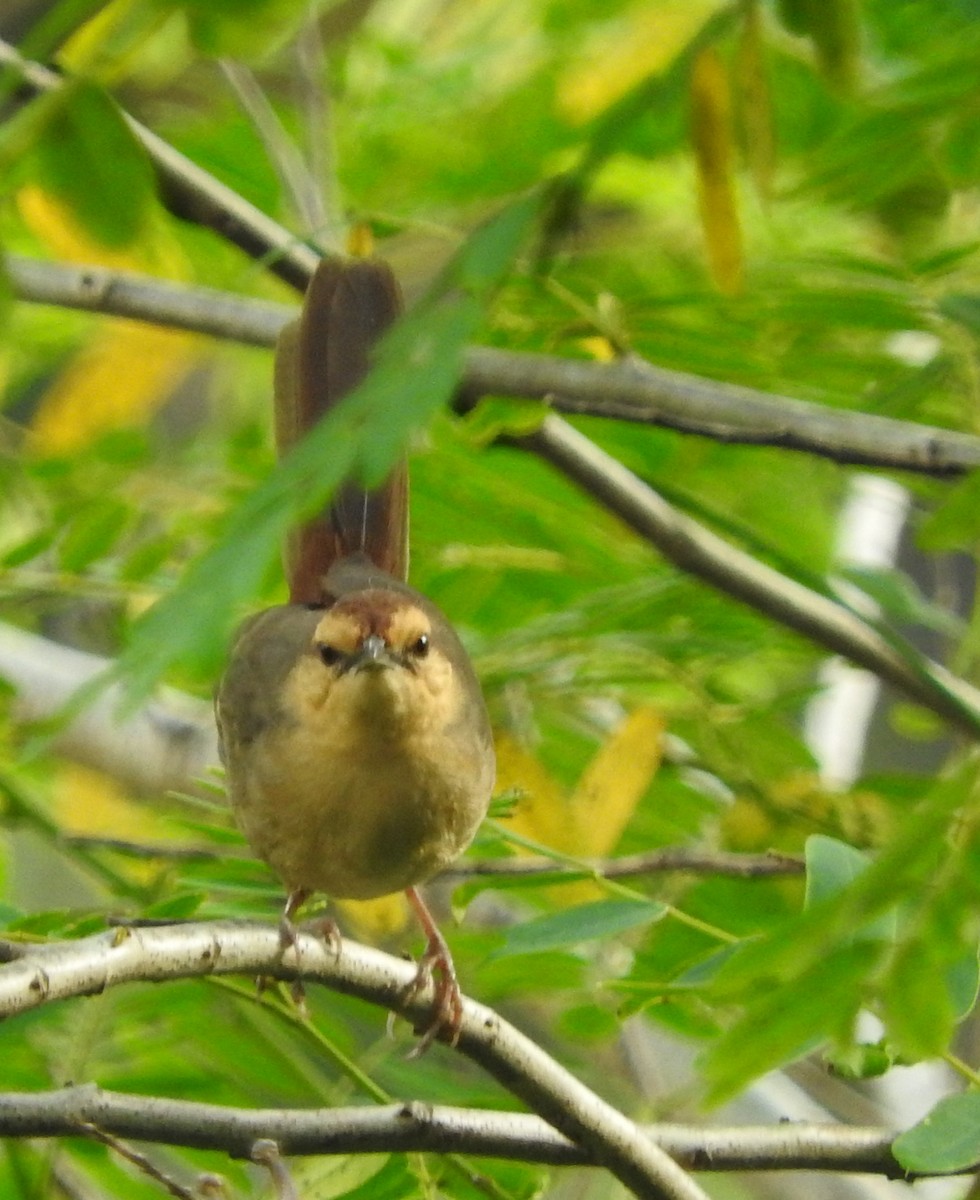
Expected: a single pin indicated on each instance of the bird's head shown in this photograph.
(379, 648)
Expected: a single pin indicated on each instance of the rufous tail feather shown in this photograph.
(320, 358)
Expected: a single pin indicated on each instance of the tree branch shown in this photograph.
(696, 549)
(165, 745)
(90, 965)
(637, 391)
(417, 1127)
(630, 390)
(668, 858)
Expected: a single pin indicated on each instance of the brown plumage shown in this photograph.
(352, 727)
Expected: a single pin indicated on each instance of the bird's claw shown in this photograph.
(435, 967)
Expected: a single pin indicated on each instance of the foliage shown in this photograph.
(780, 196)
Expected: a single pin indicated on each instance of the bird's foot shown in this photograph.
(436, 967)
(288, 939)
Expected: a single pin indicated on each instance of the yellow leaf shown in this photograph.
(52, 222)
(128, 369)
(600, 348)
(591, 821)
(120, 378)
(711, 134)
(88, 802)
(613, 62)
(360, 240)
(541, 811)
(615, 781)
(377, 920)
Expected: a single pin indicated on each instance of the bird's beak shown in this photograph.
(373, 655)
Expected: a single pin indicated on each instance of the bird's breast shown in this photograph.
(366, 786)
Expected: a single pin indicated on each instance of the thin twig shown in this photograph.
(652, 862)
(627, 391)
(417, 1127)
(90, 965)
(669, 858)
(137, 1158)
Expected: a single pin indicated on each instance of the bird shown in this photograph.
(354, 734)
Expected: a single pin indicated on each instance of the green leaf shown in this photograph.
(915, 1003)
(90, 159)
(831, 867)
(494, 417)
(963, 982)
(946, 1140)
(900, 599)
(955, 524)
(787, 1024)
(178, 908)
(95, 531)
(866, 1060)
(584, 923)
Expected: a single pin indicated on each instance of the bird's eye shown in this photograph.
(420, 647)
(330, 655)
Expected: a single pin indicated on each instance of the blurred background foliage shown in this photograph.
(781, 195)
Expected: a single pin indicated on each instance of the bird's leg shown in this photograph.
(287, 938)
(435, 965)
(287, 930)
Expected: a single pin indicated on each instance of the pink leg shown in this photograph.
(447, 1008)
(287, 937)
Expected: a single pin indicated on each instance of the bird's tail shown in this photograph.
(319, 359)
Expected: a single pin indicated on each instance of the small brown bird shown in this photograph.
(352, 727)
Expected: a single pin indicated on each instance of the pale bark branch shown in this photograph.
(165, 745)
(417, 1127)
(90, 965)
(630, 390)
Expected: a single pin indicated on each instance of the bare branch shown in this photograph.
(668, 858)
(697, 550)
(141, 298)
(416, 1127)
(638, 391)
(628, 391)
(90, 965)
(193, 194)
